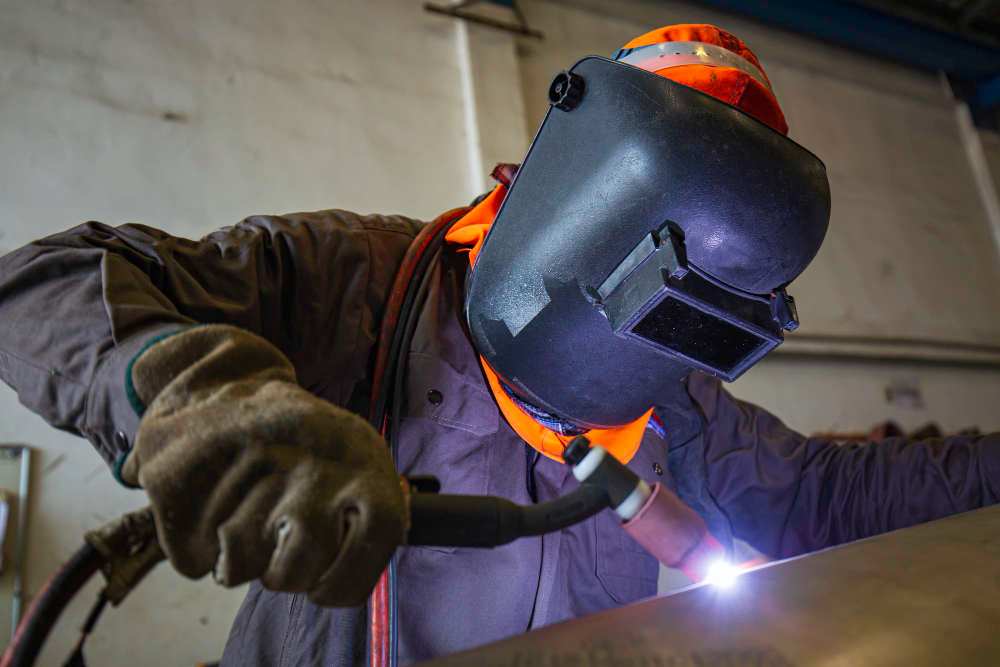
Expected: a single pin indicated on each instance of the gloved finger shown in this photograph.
(376, 519)
(187, 539)
(362, 558)
(190, 507)
(242, 476)
(309, 528)
(247, 539)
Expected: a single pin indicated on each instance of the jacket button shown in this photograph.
(435, 397)
(657, 469)
(121, 441)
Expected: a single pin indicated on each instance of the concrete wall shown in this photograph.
(190, 115)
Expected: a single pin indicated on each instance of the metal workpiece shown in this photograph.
(926, 595)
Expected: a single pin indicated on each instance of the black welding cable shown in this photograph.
(409, 327)
(489, 521)
(75, 658)
(395, 408)
(397, 339)
(50, 603)
(581, 503)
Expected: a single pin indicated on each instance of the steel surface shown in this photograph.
(926, 595)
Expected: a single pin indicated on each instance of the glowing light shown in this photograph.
(722, 574)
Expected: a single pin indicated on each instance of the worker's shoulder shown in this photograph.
(337, 221)
(706, 391)
(328, 233)
(378, 223)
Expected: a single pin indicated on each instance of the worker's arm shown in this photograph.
(787, 494)
(77, 307)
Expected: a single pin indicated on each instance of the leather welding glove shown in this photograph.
(251, 476)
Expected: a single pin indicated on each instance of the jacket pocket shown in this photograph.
(438, 393)
(626, 570)
(447, 425)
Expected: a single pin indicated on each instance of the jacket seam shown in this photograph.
(992, 470)
(361, 311)
(703, 434)
(631, 577)
(464, 380)
(43, 369)
(374, 229)
(601, 572)
(98, 373)
(293, 614)
(447, 422)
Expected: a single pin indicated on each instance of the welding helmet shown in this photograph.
(651, 229)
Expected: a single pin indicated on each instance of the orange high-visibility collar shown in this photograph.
(621, 442)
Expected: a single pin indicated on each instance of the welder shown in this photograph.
(639, 256)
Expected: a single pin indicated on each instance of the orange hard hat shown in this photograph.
(703, 65)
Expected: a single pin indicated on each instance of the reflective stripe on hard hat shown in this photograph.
(658, 57)
(740, 82)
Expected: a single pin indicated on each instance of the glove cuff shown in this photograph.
(186, 366)
(138, 405)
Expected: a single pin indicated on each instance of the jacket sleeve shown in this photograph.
(787, 494)
(76, 307)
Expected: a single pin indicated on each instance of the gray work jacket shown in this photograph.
(77, 306)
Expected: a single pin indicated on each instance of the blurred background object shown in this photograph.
(190, 115)
(14, 475)
(463, 9)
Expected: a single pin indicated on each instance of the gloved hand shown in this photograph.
(251, 476)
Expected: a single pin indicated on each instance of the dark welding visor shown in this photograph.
(655, 298)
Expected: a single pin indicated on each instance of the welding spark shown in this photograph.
(722, 574)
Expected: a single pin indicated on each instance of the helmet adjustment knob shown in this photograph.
(566, 90)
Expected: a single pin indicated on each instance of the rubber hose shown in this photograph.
(48, 605)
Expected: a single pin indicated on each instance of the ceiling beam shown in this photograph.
(876, 32)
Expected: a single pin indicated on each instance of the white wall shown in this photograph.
(189, 115)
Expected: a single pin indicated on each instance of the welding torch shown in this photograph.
(653, 515)
(126, 549)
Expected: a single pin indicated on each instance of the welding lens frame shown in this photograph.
(655, 298)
